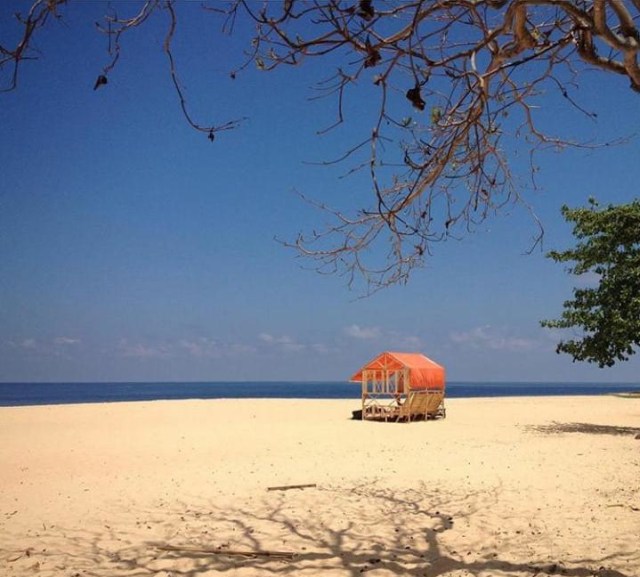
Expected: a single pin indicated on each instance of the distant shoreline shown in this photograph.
(32, 394)
(316, 382)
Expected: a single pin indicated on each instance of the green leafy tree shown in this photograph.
(608, 315)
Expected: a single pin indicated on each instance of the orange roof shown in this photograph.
(423, 372)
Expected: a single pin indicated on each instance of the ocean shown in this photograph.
(24, 394)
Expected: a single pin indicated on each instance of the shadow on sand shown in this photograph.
(587, 428)
(338, 531)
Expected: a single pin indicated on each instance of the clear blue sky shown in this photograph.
(131, 248)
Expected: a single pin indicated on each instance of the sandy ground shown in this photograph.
(518, 487)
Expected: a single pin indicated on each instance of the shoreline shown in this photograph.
(357, 401)
(35, 394)
(631, 394)
(497, 488)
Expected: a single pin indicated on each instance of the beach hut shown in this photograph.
(401, 387)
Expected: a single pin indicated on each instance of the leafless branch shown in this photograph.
(450, 87)
(39, 14)
(476, 70)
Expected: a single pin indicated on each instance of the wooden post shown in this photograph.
(365, 376)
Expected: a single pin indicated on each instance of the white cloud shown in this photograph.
(201, 347)
(320, 348)
(406, 342)
(284, 342)
(56, 347)
(30, 344)
(358, 332)
(63, 341)
(209, 348)
(293, 347)
(239, 349)
(143, 351)
(488, 338)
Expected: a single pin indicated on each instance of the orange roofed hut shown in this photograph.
(401, 387)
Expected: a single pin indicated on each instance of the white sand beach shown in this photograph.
(501, 487)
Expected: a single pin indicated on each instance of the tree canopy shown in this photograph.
(607, 315)
(451, 88)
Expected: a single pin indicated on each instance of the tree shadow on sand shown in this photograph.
(587, 428)
(342, 531)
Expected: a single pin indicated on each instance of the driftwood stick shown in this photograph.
(228, 552)
(287, 487)
(621, 505)
(14, 559)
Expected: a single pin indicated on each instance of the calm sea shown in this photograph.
(18, 394)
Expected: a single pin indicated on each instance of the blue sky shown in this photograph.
(132, 249)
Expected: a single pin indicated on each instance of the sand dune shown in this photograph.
(502, 487)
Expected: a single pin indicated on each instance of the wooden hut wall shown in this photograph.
(384, 382)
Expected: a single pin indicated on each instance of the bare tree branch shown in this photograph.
(39, 14)
(456, 85)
